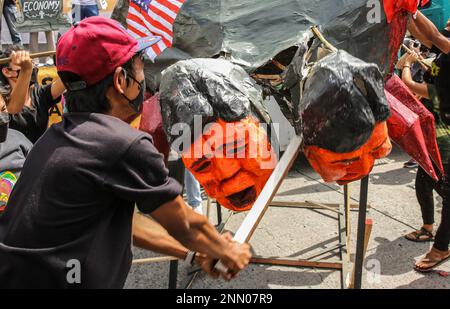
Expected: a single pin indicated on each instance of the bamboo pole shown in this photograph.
(319, 35)
(154, 260)
(32, 56)
(420, 60)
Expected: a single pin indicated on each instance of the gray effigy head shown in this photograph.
(339, 99)
(211, 88)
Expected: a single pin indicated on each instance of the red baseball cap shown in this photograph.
(93, 49)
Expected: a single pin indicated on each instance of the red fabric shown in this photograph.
(152, 123)
(392, 7)
(397, 32)
(400, 91)
(405, 130)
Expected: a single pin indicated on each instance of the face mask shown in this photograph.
(34, 77)
(137, 102)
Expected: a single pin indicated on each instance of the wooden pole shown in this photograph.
(154, 260)
(319, 35)
(424, 65)
(32, 56)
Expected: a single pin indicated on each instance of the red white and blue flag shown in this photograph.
(153, 18)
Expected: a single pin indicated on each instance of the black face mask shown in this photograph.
(34, 77)
(137, 102)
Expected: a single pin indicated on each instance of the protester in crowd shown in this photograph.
(82, 9)
(14, 147)
(10, 12)
(27, 103)
(439, 94)
(111, 167)
(193, 192)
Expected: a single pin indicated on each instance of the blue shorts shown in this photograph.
(80, 12)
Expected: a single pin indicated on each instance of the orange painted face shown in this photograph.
(348, 167)
(232, 161)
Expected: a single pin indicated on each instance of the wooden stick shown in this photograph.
(281, 204)
(420, 60)
(32, 56)
(267, 76)
(325, 207)
(154, 260)
(296, 263)
(319, 35)
(279, 65)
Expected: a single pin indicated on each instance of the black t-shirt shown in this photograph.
(75, 201)
(439, 75)
(442, 82)
(33, 121)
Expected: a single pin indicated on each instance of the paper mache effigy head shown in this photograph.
(343, 110)
(219, 110)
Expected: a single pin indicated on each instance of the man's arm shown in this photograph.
(427, 33)
(58, 88)
(20, 93)
(196, 233)
(420, 89)
(149, 235)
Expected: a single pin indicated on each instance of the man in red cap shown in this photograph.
(68, 221)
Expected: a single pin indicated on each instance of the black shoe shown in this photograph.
(410, 164)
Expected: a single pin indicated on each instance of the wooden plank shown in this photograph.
(251, 221)
(296, 263)
(344, 236)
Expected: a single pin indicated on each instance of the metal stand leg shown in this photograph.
(360, 242)
(220, 225)
(173, 275)
(219, 214)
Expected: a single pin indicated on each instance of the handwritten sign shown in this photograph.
(41, 15)
(40, 9)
